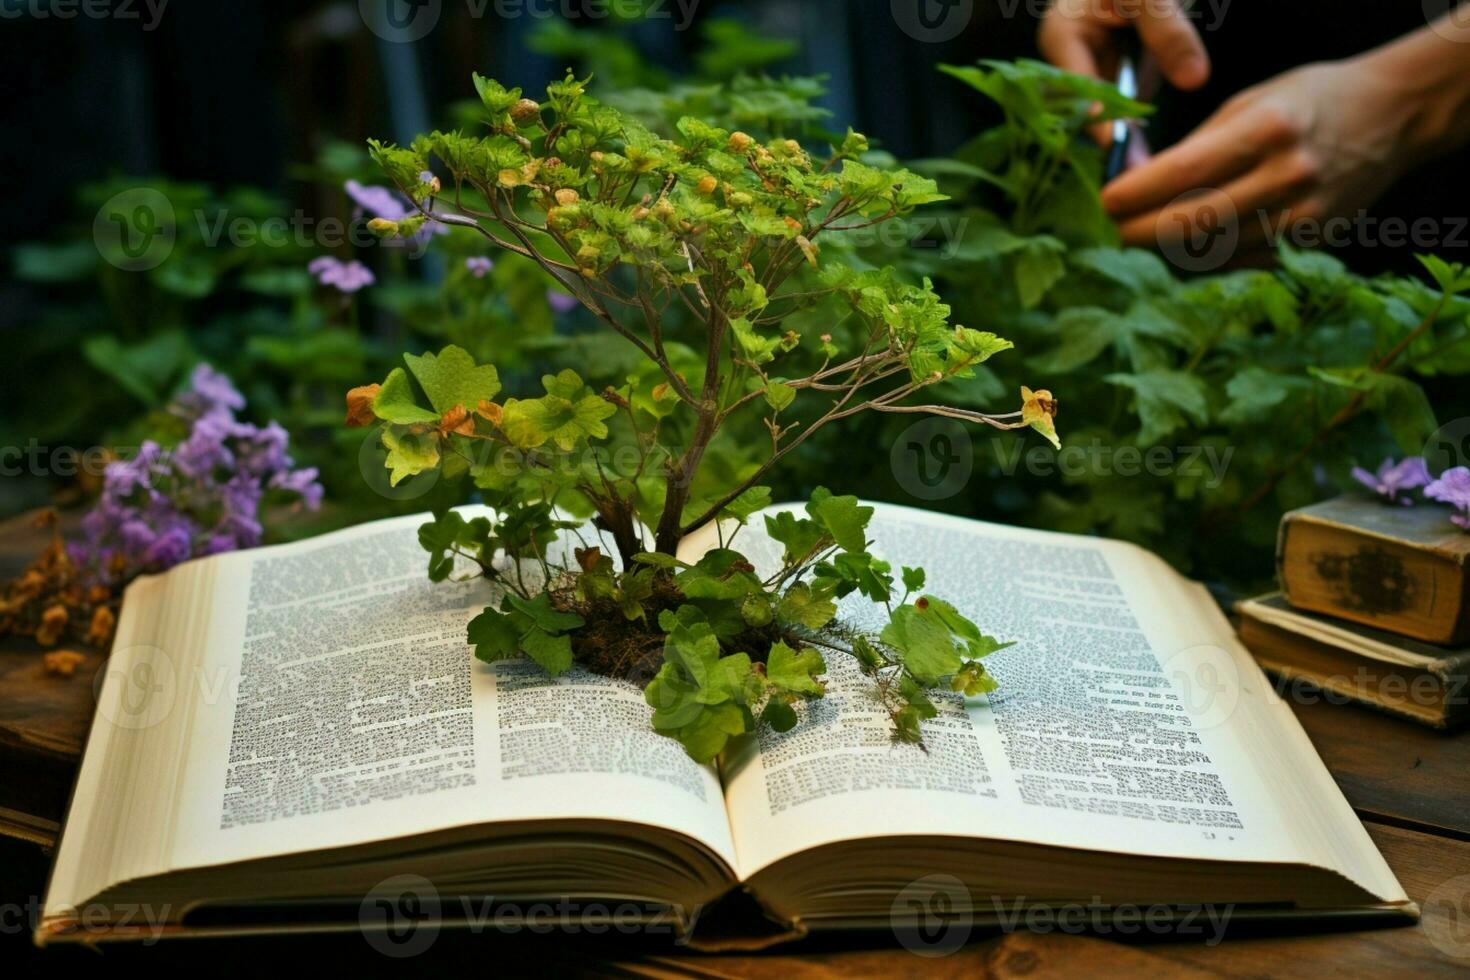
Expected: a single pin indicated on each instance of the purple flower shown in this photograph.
(206, 448)
(203, 497)
(209, 390)
(1453, 488)
(384, 202)
(1394, 480)
(302, 482)
(347, 277)
(169, 548)
(479, 265)
(380, 202)
(561, 302)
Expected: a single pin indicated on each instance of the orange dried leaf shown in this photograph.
(457, 421)
(490, 412)
(53, 622)
(63, 663)
(360, 412)
(103, 622)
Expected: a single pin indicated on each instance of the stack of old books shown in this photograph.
(1374, 607)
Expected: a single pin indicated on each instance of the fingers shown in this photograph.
(1169, 36)
(1209, 156)
(1068, 49)
(1252, 208)
(1067, 42)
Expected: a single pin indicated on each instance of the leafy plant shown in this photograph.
(1205, 406)
(717, 225)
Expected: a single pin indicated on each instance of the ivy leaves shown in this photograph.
(529, 626)
(568, 415)
(703, 698)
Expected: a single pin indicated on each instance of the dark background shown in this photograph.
(249, 91)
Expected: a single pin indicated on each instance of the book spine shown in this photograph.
(1454, 674)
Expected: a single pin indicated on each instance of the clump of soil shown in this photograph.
(614, 646)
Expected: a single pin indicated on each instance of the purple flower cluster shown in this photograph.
(479, 265)
(200, 498)
(348, 277)
(1453, 488)
(1393, 480)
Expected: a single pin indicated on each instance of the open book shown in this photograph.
(282, 731)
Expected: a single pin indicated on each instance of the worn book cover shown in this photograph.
(1425, 683)
(1400, 569)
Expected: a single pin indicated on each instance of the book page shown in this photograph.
(340, 703)
(1118, 725)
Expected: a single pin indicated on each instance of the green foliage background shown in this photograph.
(1272, 367)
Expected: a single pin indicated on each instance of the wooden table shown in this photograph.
(1410, 785)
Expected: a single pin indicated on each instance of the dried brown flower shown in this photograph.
(63, 663)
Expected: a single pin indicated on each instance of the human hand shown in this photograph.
(1315, 143)
(1082, 36)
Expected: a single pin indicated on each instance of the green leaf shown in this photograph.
(146, 369)
(913, 579)
(568, 415)
(779, 715)
(720, 574)
(1452, 278)
(743, 506)
(409, 452)
(553, 653)
(453, 379)
(800, 536)
(698, 696)
(396, 402)
(1256, 394)
(795, 672)
(844, 520)
(494, 636)
(757, 348)
(447, 533)
(1165, 399)
(803, 605)
(856, 570)
(1037, 270)
(66, 262)
(924, 643)
(706, 736)
(779, 395)
(972, 679)
(546, 617)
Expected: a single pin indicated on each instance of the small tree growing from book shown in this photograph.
(729, 231)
